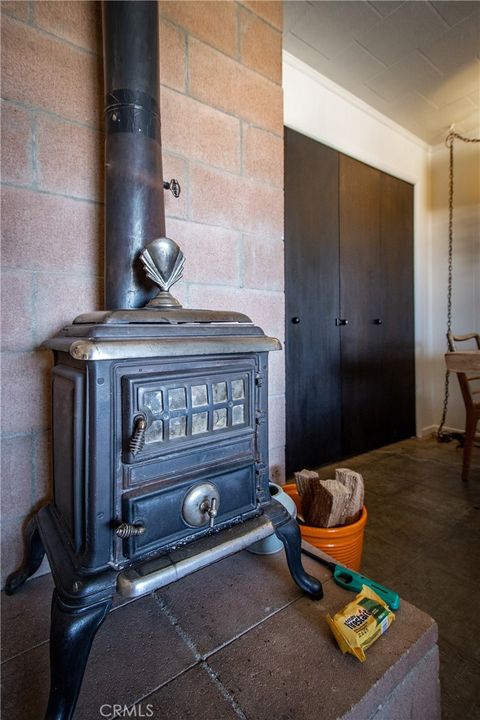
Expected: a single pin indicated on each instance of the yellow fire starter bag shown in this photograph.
(361, 622)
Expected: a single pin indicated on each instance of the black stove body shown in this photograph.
(160, 457)
(160, 417)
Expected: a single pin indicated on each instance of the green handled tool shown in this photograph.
(351, 580)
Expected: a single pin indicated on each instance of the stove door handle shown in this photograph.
(212, 511)
(137, 441)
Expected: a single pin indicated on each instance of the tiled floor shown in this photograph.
(205, 647)
(423, 540)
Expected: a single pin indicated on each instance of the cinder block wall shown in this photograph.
(222, 132)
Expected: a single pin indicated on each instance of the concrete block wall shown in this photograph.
(222, 132)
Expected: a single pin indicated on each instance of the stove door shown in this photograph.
(178, 410)
(189, 451)
(173, 512)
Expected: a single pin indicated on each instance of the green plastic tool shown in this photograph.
(351, 580)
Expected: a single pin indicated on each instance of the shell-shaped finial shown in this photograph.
(163, 262)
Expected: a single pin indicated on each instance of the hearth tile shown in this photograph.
(290, 666)
(192, 696)
(220, 602)
(25, 684)
(134, 652)
(26, 616)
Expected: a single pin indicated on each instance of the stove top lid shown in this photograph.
(159, 316)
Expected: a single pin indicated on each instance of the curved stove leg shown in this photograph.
(33, 556)
(71, 635)
(289, 534)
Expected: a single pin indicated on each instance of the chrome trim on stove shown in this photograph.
(185, 560)
(89, 349)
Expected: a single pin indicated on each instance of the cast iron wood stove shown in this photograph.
(160, 421)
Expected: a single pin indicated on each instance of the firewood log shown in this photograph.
(353, 482)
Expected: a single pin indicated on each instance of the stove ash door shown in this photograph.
(190, 452)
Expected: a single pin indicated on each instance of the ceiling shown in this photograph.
(416, 62)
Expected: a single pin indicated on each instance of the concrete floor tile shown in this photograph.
(28, 609)
(25, 685)
(276, 669)
(431, 585)
(192, 696)
(407, 526)
(459, 677)
(216, 604)
(134, 652)
(447, 507)
(382, 561)
(474, 712)
(462, 558)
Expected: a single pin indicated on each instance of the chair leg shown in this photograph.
(470, 428)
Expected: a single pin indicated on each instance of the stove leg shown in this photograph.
(33, 556)
(289, 534)
(71, 635)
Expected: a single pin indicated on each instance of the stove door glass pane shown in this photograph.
(199, 395)
(177, 427)
(238, 414)
(177, 399)
(154, 432)
(153, 400)
(219, 392)
(238, 389)
(199, 423)
(220, 419)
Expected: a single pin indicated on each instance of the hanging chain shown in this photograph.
(449, 141)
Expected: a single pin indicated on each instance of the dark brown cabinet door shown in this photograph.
(312, 342)
(348, 258)
(398, 361)
(361, 288)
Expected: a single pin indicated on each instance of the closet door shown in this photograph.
(311, 288)
(362, 281)
(396, 238)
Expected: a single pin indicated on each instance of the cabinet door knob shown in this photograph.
(295, 320)
(341, 321)
(378, 321)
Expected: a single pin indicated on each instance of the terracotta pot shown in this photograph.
(343, 543)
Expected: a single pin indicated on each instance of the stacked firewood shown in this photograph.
(328, 503)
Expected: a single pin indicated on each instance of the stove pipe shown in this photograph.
(134, 191)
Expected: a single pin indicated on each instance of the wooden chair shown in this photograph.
(470, 387)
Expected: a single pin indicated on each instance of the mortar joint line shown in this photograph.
(24, 652)
(186, 63)
(163, 684)
(247, 630)
(226, 694)
(34, 152)
(175, 623)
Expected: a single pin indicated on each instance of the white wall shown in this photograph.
(466, 260)
(322, 110)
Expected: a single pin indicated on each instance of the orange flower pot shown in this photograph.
(343, 543)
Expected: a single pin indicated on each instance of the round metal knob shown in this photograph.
(295, 320)
(201, 504)
(378, 321)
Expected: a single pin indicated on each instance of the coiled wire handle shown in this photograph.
(137, 441)
(127, 530)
